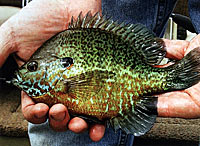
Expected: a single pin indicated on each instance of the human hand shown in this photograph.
(24, 33)
(58, 118)
(37, 22)
(185, 103)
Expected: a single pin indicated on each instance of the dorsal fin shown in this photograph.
(98, 21)
(143, 40)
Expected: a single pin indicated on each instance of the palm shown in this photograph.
(185, 103)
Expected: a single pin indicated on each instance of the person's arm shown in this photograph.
(5, 43)
(24, 33)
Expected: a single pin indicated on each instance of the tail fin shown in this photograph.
(186, 72)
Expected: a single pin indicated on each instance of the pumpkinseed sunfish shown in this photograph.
(105, 71)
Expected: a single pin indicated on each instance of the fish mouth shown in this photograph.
(17, 79)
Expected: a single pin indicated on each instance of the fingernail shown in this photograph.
(77, 125)
(40, 110)
(97, 132)
(59, 117)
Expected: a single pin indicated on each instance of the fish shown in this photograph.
(106, 71)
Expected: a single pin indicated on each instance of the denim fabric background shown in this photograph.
(151, 13)
(194, 11)
(43, 135)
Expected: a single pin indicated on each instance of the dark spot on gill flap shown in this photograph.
(67, 61)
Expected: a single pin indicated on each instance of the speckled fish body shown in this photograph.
(103, 70)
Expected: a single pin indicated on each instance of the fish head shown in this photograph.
(40, 75)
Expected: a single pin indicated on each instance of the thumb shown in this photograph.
(194, 43)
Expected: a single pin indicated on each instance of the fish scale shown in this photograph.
(121, 99)
(104, 71)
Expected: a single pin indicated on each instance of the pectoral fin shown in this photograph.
(87, 84)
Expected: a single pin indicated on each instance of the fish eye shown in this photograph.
(32, 66)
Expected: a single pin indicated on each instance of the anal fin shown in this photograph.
(140, 120)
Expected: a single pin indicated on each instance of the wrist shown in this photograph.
(6, 42)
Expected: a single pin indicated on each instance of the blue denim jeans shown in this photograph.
(43, 135)
(151, 13)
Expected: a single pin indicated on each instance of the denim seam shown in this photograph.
(122, 138)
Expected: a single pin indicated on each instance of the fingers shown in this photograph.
(58, 117)
(176, 48)
(34, 113)
(78, 125)
(194, 43)
(96, 132)
(37, 113)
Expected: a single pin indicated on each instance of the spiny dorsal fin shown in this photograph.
(143, 40)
